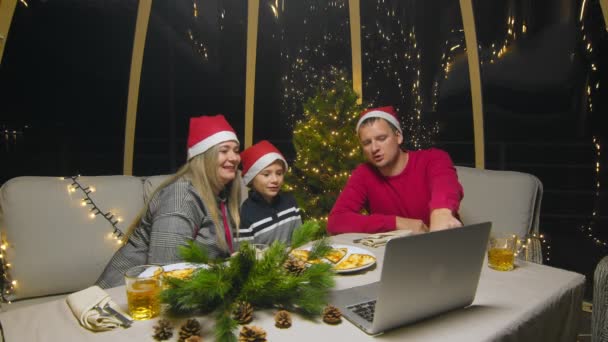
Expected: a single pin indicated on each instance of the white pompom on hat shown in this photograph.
(387, 113)
(257, 157)
(207, 131)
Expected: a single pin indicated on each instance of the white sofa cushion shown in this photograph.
(54, 246)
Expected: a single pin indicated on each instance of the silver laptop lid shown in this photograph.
(427, 274)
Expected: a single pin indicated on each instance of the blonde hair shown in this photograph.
(201, 171)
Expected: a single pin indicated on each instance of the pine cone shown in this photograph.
(191, 328)
(163, 331)
(294, 266)
(252, 334)
(332, 315)
(194, 339)
(282, 319)
(243, 312)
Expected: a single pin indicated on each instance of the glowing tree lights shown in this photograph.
(327, 148)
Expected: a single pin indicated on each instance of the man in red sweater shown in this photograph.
(410, 190)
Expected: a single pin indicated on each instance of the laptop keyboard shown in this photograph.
(365, 310)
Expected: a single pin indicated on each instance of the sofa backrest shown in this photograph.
(151, 183)
(54, 246)
(510, 199)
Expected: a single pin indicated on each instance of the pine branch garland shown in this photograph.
(264, 283)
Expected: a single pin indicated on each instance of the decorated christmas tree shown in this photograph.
(327, 148)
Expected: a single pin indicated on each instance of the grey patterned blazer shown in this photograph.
(175, 216)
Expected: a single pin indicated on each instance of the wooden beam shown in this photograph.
(7, 9)
(354, 7)
(139, 42)
(604, 6)
(253, 10)
(470, 36)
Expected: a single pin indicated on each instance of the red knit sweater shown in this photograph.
(428, 182)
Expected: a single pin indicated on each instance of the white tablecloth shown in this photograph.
(531, 303)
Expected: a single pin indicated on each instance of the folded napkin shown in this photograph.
(378, 240)
(83, 304)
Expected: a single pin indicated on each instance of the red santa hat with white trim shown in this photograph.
(257, 157)
(207, 131)
(387, 113)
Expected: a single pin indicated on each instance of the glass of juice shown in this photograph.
(144, 284)
(501, 252)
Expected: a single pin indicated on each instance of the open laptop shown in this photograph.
(422, 276)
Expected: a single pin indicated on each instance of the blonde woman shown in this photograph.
(200, 202)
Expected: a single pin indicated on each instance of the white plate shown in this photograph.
(350, 250)
(171, 267)
(181, 266)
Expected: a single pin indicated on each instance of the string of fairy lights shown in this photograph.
(592, 90)
(392, 55)
(10, 136)
(321, 33)
(588, 229)
(197, 41)
(8, 284)
(94, 209)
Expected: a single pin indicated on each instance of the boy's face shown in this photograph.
(269, 181)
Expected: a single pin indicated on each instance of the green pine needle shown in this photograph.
(193, 253)
(308, 231)
(225, 326)
(319, 249)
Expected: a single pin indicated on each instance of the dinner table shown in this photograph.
(532, 302)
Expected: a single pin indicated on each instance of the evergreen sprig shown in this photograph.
(308, 231)
(261, 281)
(319, 249)
(192, 254)
(225, 325)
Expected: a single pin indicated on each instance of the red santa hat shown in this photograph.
(387, 113)
(257, 157)
(207, 131)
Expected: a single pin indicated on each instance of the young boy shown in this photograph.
(268, 214)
